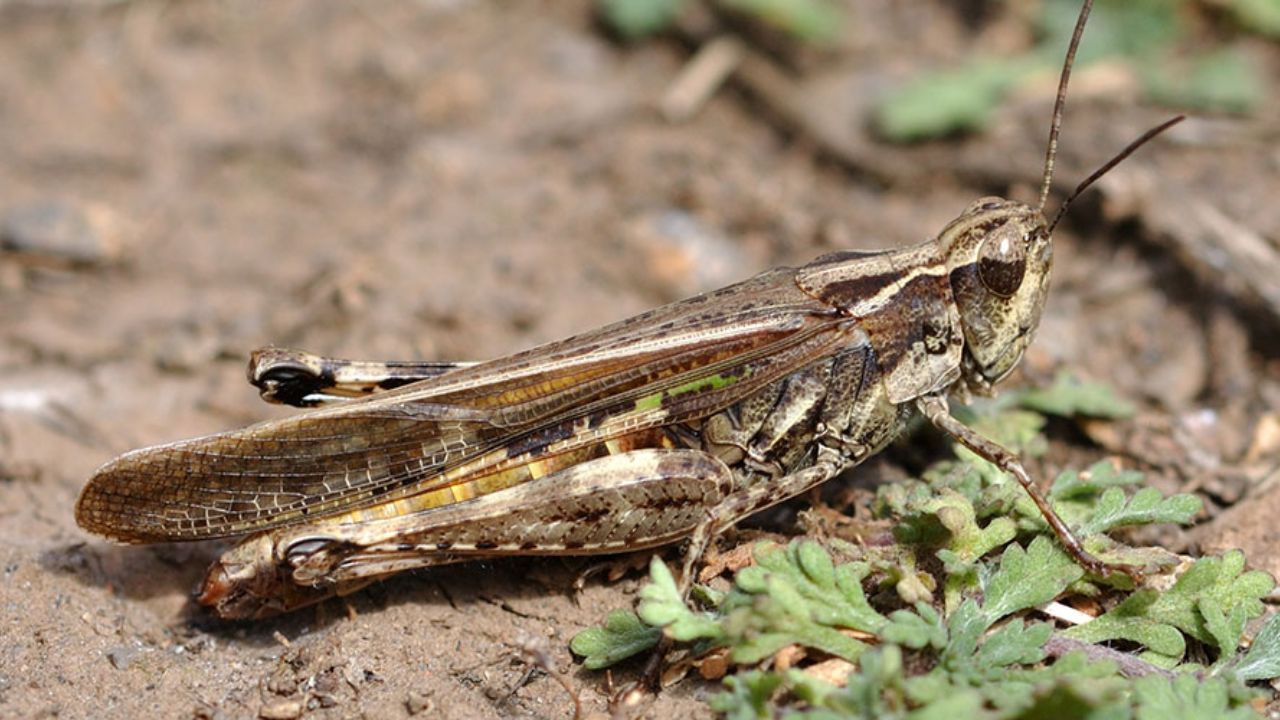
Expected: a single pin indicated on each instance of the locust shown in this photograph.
(670, 425)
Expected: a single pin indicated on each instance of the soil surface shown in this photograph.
(181, 183)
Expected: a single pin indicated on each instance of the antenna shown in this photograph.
(1055, 125)
(1106, 167)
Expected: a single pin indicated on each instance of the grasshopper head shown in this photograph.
(998, 255)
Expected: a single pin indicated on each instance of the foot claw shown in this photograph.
(1107, 571)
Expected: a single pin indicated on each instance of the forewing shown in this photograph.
(271, 474)
(398, 443)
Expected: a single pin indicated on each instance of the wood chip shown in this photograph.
(701, 77)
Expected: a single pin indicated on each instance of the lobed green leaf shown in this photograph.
(808, 20)
(636, 19)
(1098, 477)
(1069, 396)
(1147, 506)
(1027, 578)
(662, 606)
(947, 102)
(1262, 660)
(1185, 698)
(1259, 16)
(623, 635)
(1157, 620)
(796, 595)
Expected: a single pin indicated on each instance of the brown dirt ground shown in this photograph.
(459, 180)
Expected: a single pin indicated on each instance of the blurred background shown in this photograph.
(182, 182)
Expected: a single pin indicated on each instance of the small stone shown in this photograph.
(65, 231)
(282, 683)
(418, 702)
(124, 656)
(281, 710)
(683, 255)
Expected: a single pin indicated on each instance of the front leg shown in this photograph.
(934, 407)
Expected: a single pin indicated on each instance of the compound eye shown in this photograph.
(986, 204)
(1002, 261)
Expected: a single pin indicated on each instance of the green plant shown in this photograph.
(1143, 35)
(966, 639)
(813, 21)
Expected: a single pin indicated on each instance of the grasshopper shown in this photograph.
(673, 424)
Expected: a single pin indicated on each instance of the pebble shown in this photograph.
(685, 255)
(123, 656)
(281, 710)
(81, 234)
(418, 702)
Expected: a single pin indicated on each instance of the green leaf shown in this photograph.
(1129, 28)
(1014, 644)
(1164, 643)
(1069, 396)
(949, 519)
(621, 636)
(966, 626)
(1028, 578)
(807, 20)
(1147, 506)
(1080, 700)
(1034, 691)
(796, 595)
(816, 564)
(635, 19)
(968, 541)
(945, 102)
(662, 606)
(1185, 698)
(1222, 80)
(1131, 620)
(749, 695)
(1259, 16)
(961, 704)
(1100, 476)
(1262, 661)
(1025, 578)
(916, 630)
(1158, 620)
(1226, 630)
(871, 692)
